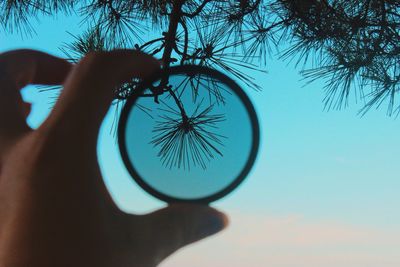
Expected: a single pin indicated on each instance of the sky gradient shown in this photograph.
(323, 192)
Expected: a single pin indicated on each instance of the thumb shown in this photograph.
(181, 224)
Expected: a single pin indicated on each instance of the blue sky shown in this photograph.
(324, 190)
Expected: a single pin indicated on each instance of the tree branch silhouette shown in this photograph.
(354, 46)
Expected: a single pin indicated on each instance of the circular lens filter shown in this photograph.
(188, 134)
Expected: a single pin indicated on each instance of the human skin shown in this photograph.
(54, 207)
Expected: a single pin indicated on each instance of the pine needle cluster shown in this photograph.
(353, 45)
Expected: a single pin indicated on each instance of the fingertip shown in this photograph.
(225, 219)
(214, 222)
(181, 224)
(121, 65)
(206, 219)
(161, 62)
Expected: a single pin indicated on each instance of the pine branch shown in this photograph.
(344, 43)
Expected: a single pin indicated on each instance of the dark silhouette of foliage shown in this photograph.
(188, 140)
(353, 45)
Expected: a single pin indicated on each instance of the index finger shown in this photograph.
(23, 67)
(90, 89)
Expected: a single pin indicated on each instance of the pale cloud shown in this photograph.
(254, 240)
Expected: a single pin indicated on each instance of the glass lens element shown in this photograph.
(191, 142)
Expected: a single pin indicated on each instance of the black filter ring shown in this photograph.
(189, 70)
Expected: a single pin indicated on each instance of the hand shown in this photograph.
(54, 207)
